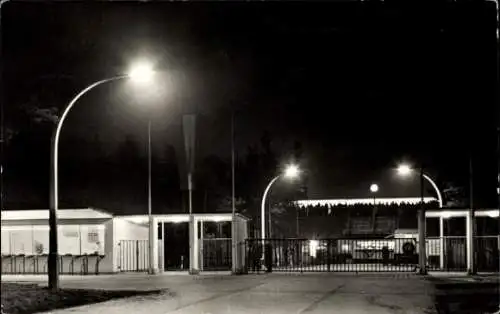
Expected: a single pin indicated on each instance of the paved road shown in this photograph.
(275, 293)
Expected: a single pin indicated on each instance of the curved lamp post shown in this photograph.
(291, 172)
(405, 170)
(141, 73)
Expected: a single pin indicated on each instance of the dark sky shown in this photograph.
(362, 86)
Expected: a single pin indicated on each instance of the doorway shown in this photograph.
(176, 246)
(216, 245)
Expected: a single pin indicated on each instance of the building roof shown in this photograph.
(215, 217)
(43, 214)
(450, 213)
(365, 201)
(92, 213)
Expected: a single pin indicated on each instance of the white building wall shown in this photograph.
(126, 230)
(5, 242)
(241, 234)
(107, 264)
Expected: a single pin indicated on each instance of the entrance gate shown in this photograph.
(216, 254)
(333, 255)
(133, 256)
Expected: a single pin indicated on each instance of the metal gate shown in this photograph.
(487, 253)
(332, 255)
(216, 254)
(133, 256)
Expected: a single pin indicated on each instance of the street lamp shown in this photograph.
(140, 73)
(374, 189)
(405, 171)
(291, 172)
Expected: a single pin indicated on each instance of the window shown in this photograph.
(93, 237)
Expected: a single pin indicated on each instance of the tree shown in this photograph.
(455, 196)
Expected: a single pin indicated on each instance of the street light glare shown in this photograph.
(404, 170)
(141, 73)
(374, 188)
(292, 171)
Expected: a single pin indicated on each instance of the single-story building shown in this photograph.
(92, 241)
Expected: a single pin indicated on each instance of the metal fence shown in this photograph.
(454, 251)
(37, 264)
(332, 255)
(217, 254)
(369, 255)
(133, 255)
(486, 253)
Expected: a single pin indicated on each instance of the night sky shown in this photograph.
(362, 86)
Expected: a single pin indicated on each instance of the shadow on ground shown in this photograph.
(466, 295)
(32, 298)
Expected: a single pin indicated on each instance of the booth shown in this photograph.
(92, 241)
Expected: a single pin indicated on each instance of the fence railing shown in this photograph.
(133, 255)
(217, 254)
(452, 248)
(454, 252)
(486, 253)
(332, 255)
(37, 264)
(369, 255)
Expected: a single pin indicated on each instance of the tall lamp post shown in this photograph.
(291, 172)
(406, 170)
(140, 74)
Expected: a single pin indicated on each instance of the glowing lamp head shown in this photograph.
(141, 73)
(292, 171)
(374, 188)
(404, 170)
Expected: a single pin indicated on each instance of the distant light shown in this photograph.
(446, 214)
(374, 188)
(404, 170)
(493, 213)
(292, 171)
(217, 219)
(177, 219)
(141, 72)
(313, 247)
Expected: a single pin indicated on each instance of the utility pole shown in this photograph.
(471, 222)
(2, 134)
(297, 222)
(234, 254)
(421, 228)
(189, 128)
